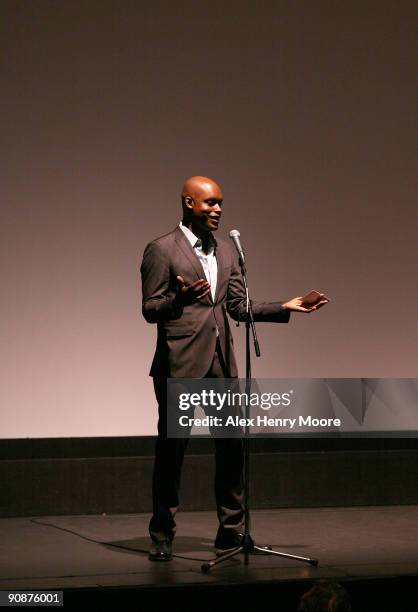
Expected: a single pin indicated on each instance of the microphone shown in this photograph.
(234, 235)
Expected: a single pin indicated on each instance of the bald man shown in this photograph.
(190, 282)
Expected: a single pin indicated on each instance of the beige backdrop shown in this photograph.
(303, 111)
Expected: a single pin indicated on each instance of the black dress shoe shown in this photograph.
(161, 551)
(226, 542)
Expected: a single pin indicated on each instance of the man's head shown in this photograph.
(202, 201)
(325, 596)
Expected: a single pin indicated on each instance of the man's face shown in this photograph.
(205, 206)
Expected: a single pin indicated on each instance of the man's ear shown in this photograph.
(188, 201)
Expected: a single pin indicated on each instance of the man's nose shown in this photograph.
(217, 209)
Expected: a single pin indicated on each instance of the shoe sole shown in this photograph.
(159, 559)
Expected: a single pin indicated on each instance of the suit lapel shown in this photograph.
(220, 260)
(222, 264)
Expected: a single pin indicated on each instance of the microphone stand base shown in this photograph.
(249, 548)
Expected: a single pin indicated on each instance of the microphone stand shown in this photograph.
(247, 545)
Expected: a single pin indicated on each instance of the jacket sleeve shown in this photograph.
(160, 301)
(272, 312)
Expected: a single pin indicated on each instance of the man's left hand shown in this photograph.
(296, 304)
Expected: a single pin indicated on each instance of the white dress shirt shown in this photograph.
(208, 261)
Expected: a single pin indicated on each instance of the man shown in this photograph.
(190, 281)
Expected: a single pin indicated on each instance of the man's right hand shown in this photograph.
(191, 293)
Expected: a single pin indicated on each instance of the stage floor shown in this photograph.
(65, 552)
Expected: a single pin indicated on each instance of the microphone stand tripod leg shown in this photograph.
(222, 557)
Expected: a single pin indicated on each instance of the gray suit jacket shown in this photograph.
(187, 334)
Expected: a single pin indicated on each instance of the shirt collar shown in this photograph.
(194, 240)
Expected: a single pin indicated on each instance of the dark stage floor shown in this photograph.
(96, 552)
